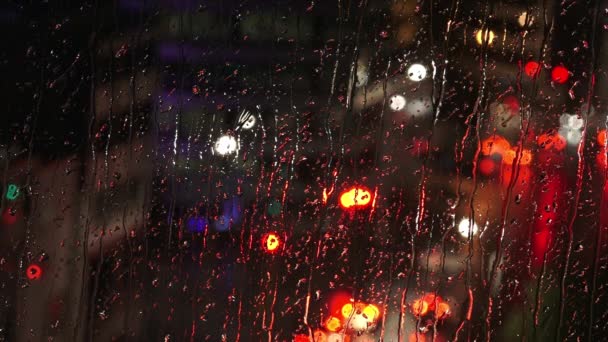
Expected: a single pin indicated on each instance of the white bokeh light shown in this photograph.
(568, 121)
(465, 225)
(572, 136)
(416, 72)
(249, 123)
(397, 102)
(246, 120)
(225, 145)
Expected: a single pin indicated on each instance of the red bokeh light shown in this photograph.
(33, 272)
(487, 166)
(559, 74)
(9, 216)
(301, 338)
(532, 69)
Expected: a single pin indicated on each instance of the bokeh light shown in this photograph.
(532, 69)
(560, 74)
(355, 197)
(465, 227)
(271, 242)
(416, 72)
(226, 144)
(396, 103)
(485, 36)
(33, 272)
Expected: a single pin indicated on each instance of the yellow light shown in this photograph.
(272, 242)
(355, 197)
(372, 312)
(420, 307)
(347, 310)
(333, 324)
(485, 36)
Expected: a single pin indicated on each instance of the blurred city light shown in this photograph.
(333, 324)
(601, 137)
(397, 102)
(416, 72)
(465, 227)
(485, 36)
(552, 141)
(12, 192)
(246, 120)
(355, 197)
(271, 242)
(560, 74)
(532, 69)
(226, 144)
(33, 272)
(495, 145)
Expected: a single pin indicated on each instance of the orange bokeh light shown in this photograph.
(355, 197)
(442, 310)
(271, 242)
(551, 141)
(420, 307)
(524, 159)
(495, 145)
(319, 336)
(601, 137)
(333, 324)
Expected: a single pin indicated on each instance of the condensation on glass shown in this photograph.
(283, 170)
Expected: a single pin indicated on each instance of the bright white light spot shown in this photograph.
(225, 145)
(246, 120)
(416, 72)
(419, 106)
(485, 36)
(465, 226)
(521, 20)
(572, 136)
(249, 123)
(396, 102)
(571, 121)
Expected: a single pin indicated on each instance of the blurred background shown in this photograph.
(285, 170)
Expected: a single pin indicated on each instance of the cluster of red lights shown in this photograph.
(341, 319)
(559, 74)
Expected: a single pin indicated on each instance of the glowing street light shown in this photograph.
(226, 144)
(416, 72)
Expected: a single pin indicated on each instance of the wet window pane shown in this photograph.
(287, 170)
